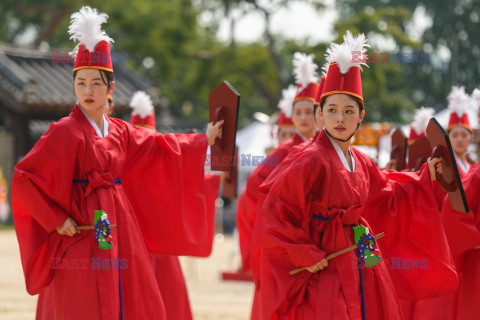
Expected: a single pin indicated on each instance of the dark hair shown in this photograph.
(107, 77)
(357, 100)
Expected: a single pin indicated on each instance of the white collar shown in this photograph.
(94, 125)
(341, 154)
(463, 165)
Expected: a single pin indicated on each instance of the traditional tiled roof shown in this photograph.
(41, 83)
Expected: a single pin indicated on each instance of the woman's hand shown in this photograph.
(318, 266)
(391, 165)
(214, 131)
(68, 228)
(434, 166)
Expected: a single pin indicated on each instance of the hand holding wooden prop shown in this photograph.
(102, 229)
(364, 243)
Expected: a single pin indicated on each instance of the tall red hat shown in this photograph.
(458, 103)
(305, 71)
(345, 61)
(420, 122)
(143, 114)
(283, 121)
(286, 107)
(93, 50)
(320, 89)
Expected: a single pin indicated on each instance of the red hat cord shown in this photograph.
(286, 107)
(420, 122)
(306, 77)
(93, 49)
(458, 103)
(143, 113)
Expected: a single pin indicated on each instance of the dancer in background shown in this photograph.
(460, 228)
(302, 110)
(168, 271)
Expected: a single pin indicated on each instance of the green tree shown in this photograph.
(385, 83)
(453, 29)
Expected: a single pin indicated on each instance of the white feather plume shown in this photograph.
(348, 54)
(86, 28)
(286, 102)
(421, 118)
(476, 94)
(142, 104)
(475, 99)
(304, 69)
(458, 100)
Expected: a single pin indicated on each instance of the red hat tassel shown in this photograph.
(341, 82)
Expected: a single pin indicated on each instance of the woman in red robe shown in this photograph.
(463, 233)
(311, 208)
(301, 109)
(461, 228)
(264, 188)
(168, 271)
(84, 163)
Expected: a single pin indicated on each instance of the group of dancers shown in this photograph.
(319, 196)
(304, 208)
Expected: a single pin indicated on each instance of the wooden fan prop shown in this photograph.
(449, 180)
(230, 182)
(399, 149)
(223, 103)
(418, 153)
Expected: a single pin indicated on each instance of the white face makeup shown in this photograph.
(303, 118)
(285, 133)
(460, 138)
(341, 116)
(90, 90)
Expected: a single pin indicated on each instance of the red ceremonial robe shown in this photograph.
(168, 272)
(461, 234)
(400, 204)
(246, 216)
(256, 246)
(85, 279)
(464, 236)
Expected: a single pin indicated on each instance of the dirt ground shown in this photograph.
(210, 298)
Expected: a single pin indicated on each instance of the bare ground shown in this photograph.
(210, 297)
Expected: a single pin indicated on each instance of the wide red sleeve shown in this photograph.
(164, 180)
(41, 201)
(403, 205)
(462, 229)
(285, 233)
